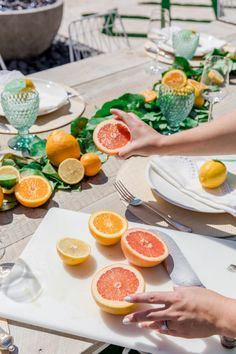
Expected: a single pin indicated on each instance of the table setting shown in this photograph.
(197, 218)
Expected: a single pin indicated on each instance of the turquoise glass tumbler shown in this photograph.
(21, 110)
(175, 104)
(185, 43)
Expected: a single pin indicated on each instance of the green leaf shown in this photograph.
(105, 110)
(181, 63)
(78, 125)
(93, 122)
(38, 148)
(50, 171)
(25, 171)
(8, 162)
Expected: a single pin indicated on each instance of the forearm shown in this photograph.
(217, 137)
(227, 318)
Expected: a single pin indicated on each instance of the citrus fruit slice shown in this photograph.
(212, 174)
(174, 79)
(33, 191)
(61, 146)
(92, 164)
(19, 85)
(71, 171)
(9, 183)
(107, 227)
(112, 284)
(143, 248)
(111, 136)
(198, 88)
(215, 77)
(1, 197)
(149, 95)
(73, 251)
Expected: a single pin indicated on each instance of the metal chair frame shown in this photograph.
(222, 5)
(2, 64)
(96, 34)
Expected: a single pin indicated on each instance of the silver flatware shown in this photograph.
(134, 201)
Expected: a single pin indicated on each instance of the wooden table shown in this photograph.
(98, 79)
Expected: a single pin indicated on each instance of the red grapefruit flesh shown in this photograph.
(111, 136)
(143, 248)
(111, 284)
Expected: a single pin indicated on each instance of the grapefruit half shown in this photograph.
(143, 248)
(111, 136)
(112, 284)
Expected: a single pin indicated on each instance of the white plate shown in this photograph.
(65, 303)
(206, 43)
(172, 195)
(52, 96)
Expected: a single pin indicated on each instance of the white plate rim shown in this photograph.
(207, 209)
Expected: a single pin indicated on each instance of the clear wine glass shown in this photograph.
(158, 33)
(215, 77)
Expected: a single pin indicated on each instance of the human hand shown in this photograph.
(144, 138)
(189, 312)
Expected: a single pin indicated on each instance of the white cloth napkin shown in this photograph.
(182, 173)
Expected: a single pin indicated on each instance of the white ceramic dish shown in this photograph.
(174, 196)
(65, 303)
(51, 94)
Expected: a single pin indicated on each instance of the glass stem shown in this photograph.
(211, 104)
(24, 132)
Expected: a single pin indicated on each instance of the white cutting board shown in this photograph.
(65, 303)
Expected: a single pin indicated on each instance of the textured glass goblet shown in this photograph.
(21, 111)
(185, 43)
(175, 104)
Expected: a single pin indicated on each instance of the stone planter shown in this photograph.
(28, 33)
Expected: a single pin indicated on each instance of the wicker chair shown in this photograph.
(96, 34)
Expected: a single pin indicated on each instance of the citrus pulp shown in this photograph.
(112, 284)
(111, 136)
(73, 251)
(143, 248)
(33, 191)
(107, 227)
(71, 171)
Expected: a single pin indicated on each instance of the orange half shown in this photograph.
(174, 79)
(33, 191)
(107, 227)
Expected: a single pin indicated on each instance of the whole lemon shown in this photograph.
(61, 146)
(212, 174)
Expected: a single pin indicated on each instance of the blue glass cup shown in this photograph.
(175, 105)
(21, 110)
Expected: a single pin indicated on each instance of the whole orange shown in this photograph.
(92, 164)
(60, 146)
(1, 197)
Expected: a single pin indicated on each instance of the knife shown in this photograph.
(182, 274)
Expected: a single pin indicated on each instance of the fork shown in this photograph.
(134, 201)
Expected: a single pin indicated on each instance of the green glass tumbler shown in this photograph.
(21, 110)
(185, 43)
(175, 104)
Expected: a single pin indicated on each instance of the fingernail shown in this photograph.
(126, 321)
(128, 299)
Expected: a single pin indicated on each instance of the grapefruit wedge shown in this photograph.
(143, 248)
(111, 136)
(112, 284)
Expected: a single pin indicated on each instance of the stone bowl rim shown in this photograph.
(28, 11)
